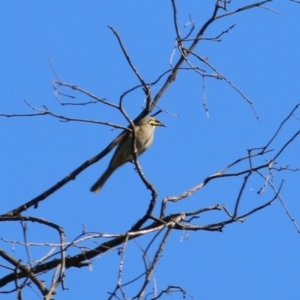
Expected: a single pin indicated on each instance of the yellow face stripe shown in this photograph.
(154, 122)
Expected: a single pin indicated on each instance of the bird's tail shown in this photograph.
(97, 186)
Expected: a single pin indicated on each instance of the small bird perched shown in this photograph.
(144, 131)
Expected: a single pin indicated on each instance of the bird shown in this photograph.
(144, 131)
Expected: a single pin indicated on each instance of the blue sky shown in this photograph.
(257, 259)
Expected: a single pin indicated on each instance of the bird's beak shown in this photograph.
(155, 122)
(158, 123)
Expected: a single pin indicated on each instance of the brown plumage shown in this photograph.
(144, 130)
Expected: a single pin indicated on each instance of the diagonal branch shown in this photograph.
(72, 176)
(145, 86)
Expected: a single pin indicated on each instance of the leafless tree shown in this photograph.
(261, 162)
